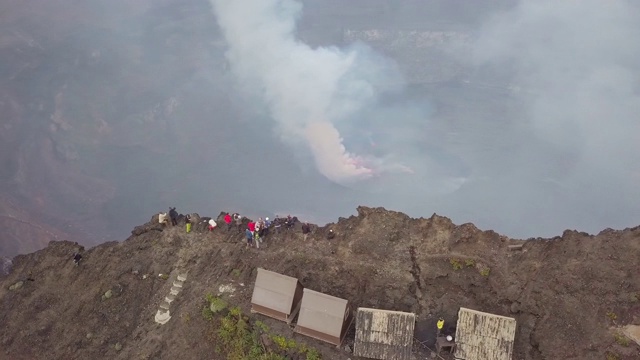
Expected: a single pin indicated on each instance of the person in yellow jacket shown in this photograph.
(187, 219)
(440, 326)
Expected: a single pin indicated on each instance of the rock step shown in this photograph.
(162, 317)
(162, 312)
(174, 291)
(182, 277)
(177, 284)
(164, 305)
(170, 298)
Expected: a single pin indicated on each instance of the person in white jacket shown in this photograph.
(163, 218)
(212, 225)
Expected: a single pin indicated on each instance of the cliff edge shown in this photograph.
(570, 295)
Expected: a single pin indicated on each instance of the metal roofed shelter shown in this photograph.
(324, 317)
(384, 334)
(484, 336)
(276, 295)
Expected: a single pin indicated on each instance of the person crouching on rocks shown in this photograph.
(212, 224)
(439, 325)
(76, 258)
(163, 219)
(331, 235)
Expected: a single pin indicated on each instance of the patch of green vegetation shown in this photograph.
(611, 315)
(215, 304)
(470, 262)
(313, 354)
(236, 273)
(621, 339)
(207, 314)
(485, 272)
(240, 338)
(164, 276)
(612, 356)
(186, 317)
(281, 341)
(303, 349)
(455, 263)
(261, 326)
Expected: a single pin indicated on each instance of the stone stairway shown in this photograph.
(163, 314)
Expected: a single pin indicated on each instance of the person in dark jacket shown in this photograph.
(306, 230)
(76, 258)
(173, 214)
(237, 218)
(288, 223)
(331, 235)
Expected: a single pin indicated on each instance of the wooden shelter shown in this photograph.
(324, 317)
(276, 295)
(384, 334)
(484, 336)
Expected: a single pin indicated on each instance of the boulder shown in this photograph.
(16, 286)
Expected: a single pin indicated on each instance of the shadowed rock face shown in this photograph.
(566, 293)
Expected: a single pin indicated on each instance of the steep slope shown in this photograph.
(567, 293)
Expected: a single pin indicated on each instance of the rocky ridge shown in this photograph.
(571, 295)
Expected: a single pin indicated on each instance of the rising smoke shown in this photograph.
(310, 92)
(542, 134)
(530, 126)
(570, 156)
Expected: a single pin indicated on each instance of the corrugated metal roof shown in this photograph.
(274, 291)
(322, 312)
(484, 336)
(384, 334)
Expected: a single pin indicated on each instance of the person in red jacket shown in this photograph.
(227, 220)
(251, 226)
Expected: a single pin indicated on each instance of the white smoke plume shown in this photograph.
(309, 92)
(537, 132)
(573, 156)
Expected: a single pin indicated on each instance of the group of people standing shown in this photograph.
(171, 219)
(172, 216)
(255, 231)
(230, 220)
